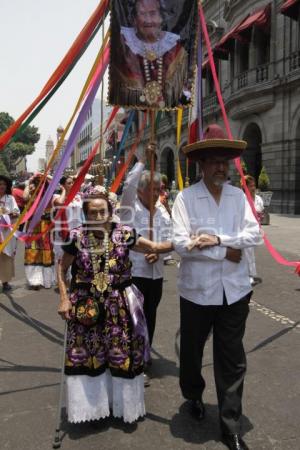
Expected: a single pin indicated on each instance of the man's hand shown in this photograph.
(149, 152)
(151, 258)
(204, 241)
(233, 254)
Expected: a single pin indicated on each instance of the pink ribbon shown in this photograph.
(273, 252)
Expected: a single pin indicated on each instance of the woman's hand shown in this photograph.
(64, 309)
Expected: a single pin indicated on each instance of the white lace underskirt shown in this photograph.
(93, 398)
(40, 276)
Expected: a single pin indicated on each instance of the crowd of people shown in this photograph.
(109, 271)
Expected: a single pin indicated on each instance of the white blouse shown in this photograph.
(205, 274)
(8, 205)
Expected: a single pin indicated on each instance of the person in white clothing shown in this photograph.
(147, 270)
(8, 212)
(259, 207)
(213, 224)
(71, 216)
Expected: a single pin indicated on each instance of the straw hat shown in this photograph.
(214, 143)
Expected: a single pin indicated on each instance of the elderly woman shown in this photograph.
(107, 342)
(8, 211)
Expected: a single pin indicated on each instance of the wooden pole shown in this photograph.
(152, 167)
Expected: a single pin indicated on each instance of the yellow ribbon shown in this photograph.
(59, 144)
(179, 124)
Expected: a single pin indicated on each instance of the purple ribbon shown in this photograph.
(139, 323)
(69, 147)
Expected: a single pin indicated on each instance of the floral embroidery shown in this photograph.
(111, 342)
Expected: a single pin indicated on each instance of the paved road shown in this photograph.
(30, 347)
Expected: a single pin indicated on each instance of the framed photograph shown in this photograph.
(153, 53)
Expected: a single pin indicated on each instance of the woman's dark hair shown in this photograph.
(87, 200)
(8, 183)
(64, 179)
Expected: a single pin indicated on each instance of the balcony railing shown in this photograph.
(262, 73)
(252, 77)
(242, 80)
(210, 101)
(294, 61)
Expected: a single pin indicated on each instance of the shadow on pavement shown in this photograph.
(184, 426)
(163, 367)
(20, 313)
(79, 430)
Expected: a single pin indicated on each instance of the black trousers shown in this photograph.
(228, 324)
(152, 292)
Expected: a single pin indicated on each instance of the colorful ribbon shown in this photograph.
(66, 62)
(273, 252)
(71, 142)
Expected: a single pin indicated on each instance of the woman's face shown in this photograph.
(98, 211)
(148, 20)
(3, 187)
(31, 188)
(68, 184)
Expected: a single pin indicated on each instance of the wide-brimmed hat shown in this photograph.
(214, 143)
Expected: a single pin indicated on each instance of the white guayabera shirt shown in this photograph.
(205, 274)
(134, 214)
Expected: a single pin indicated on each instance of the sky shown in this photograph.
(35, 35)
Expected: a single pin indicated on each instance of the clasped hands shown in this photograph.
(210, 240)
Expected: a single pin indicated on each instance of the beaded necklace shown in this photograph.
(152, 92)
(101, 280)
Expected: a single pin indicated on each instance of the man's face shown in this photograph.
(144, 195)
(215, 170)
(148, 20)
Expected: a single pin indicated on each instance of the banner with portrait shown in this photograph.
(153, 54)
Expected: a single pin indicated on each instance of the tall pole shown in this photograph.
(152, 166)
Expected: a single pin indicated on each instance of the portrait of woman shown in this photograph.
(152, 52)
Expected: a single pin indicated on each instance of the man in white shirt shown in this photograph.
(147, 270)
(213, 224)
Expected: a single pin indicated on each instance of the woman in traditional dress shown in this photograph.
(39, 254)
(107, 341)
(259, 207)
(71, 216)
(8, 211)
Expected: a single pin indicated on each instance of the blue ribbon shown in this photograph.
(122, 143)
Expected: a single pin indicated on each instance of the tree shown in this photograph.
(3, 169)
(18, 148)
(263, 180)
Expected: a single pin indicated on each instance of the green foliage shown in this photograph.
(3, 170)
(263, 180)
(22, 145)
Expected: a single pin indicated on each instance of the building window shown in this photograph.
(261, 40)
(243, 56)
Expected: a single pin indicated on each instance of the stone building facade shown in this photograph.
(257, 56)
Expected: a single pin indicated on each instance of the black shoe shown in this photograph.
(34, 288)
(197, 409)
(147, 381)
(234, 442)
(6, 287)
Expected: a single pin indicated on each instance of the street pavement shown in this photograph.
(31, 335)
